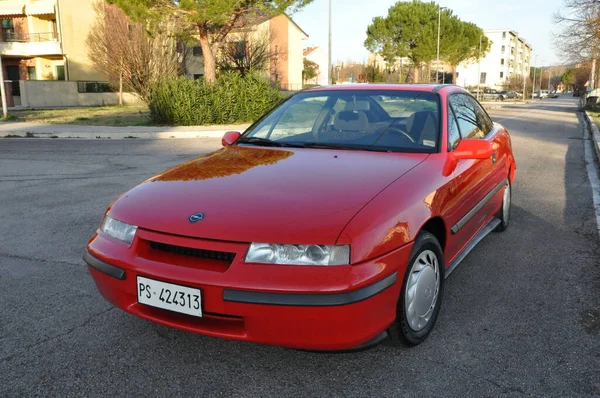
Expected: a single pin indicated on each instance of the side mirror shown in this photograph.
(230, 137)
(473, 149)
(467, 149)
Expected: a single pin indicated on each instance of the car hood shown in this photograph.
(256, 194)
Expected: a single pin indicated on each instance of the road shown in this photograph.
(521, 315)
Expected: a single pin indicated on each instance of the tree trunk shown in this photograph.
(454, 80)
(210, 64)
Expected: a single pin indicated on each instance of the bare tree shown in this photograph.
(129, 54)
(246, 52)
(579, 37)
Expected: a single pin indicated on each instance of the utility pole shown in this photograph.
(437, 62)
(479, 70)
(329, 49)
(3, 90)
(534, 70)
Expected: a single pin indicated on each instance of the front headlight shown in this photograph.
(118, 230)
(268, 253)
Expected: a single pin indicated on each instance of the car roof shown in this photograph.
(434, 88)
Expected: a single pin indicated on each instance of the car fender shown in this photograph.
(395, 216)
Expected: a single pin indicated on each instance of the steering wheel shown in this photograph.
(400, 132)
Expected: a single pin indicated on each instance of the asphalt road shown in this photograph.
(521, 315)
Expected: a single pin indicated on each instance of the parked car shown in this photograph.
(553, 94)
(490, 94)
(330, 224)
(502, 95)
(542, 94)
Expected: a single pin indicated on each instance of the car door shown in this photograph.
(475, 180)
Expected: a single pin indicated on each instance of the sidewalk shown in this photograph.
(38, 130)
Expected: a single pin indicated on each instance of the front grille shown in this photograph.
(192, 252)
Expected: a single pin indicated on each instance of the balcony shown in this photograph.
(29, 44)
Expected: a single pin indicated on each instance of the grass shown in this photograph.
(596, 117)
(96, 116)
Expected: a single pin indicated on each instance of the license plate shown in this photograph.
(169, 296)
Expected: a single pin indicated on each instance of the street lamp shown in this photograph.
(329, 71)
(437, 64)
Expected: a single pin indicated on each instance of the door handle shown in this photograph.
(494, 157)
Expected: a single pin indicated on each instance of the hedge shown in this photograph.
(234, 98)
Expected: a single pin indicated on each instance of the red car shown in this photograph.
(330, 224)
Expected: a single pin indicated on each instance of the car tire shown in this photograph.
(421, 294)
(504, 213)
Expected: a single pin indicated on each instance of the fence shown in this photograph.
(28, 37)
(55, 93)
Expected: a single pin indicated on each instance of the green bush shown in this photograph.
(234, 98)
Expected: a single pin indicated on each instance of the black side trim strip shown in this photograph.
(311, 300)
(476, 239)
(103, 267)
(461, 223)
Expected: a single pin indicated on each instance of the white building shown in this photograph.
(509, 56)
(319, 57)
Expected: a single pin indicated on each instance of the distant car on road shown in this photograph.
(541, 94)
(330, 224)
(502, 95)
(553, 95)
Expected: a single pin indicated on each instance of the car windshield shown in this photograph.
(375, 120)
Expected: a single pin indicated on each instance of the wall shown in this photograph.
(52, 93)
(278, 32)
(45, 65)
(320, 57)
(75, 19)
(296, 42)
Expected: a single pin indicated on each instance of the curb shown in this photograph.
(115, 136)
(595, 133)
(110, 132)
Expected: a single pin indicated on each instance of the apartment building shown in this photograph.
(44, 40)
(509, 57)
(286, 42)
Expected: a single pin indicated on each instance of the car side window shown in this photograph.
(484, 122)
(466, 116)
(453, 133)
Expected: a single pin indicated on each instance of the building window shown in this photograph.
(8, 30)
(31, 73)
(197, 51)
(501, 75)
(502, 61)
(504, 35)
(60, 72)
(482, 78)
(503, 49)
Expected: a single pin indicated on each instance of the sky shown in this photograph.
(532, 19)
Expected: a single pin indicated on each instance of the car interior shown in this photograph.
(363, 121)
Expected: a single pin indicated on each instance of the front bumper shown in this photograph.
(316, 308)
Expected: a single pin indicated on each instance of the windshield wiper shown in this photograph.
(321, 145)
(259, 141)
(268, 142)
